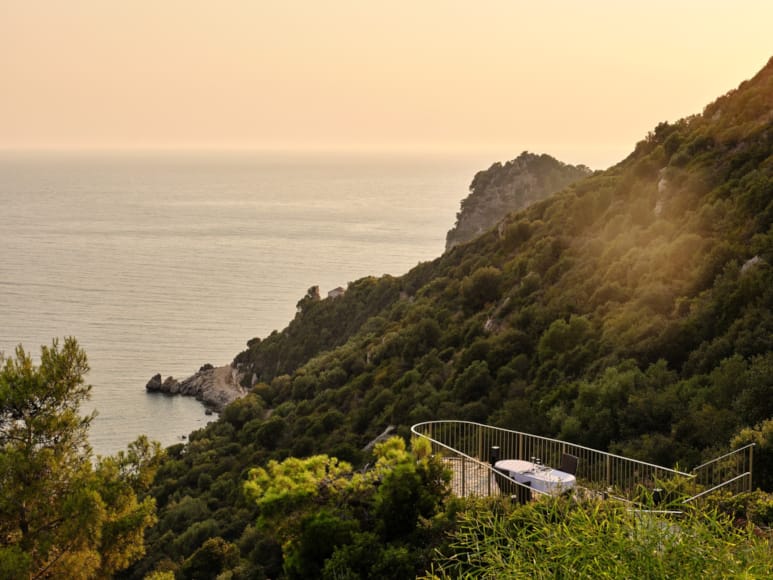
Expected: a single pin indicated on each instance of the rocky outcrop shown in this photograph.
(502, 189)
(216, 387)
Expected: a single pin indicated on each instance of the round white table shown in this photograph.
(541, 478)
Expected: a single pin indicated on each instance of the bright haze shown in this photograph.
(581, 80)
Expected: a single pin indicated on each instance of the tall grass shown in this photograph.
(560, 538)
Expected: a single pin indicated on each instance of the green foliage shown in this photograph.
(397, 503)
(213, 557)
(755, 507)
(474, 382)
(321, 533)
(558, 538)
(296, 482)
(482, 287)
(318, 509)
(762, 437)
(567, 346)
(160, 576)
(354, 559)
(335, 320)
(62, 516)
(630, 311)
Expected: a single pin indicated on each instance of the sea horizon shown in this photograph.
(162, 263)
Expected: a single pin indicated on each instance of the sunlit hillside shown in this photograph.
(629, 312)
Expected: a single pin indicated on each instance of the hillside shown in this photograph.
(501, 189)
(631, 311)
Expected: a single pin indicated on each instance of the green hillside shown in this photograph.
(631, 311)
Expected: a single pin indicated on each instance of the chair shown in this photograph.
(569, 463)
(521, 492)
(504, 483)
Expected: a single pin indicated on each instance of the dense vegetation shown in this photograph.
(62, 515)
(631, 311)
(558, 538)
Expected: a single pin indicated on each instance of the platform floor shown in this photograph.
(471, 478)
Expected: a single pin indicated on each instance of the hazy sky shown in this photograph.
(580, 79)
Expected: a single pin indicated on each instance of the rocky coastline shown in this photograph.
(215, 387)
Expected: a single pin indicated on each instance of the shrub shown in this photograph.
(558, 538)
(482, 287)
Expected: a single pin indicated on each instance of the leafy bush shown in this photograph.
(559, 538)
(482, 287)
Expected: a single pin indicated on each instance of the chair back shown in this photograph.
(521, 492)
(502, 477)
(569, 463)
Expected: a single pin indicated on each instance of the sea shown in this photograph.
(160, 262)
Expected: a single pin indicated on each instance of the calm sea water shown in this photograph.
(164, 262)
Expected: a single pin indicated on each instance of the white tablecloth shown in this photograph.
(543, 479)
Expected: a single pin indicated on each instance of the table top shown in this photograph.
(542, 478)
(516, 465)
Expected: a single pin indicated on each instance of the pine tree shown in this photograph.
(62, 515)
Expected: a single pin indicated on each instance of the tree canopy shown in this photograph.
(63, 515)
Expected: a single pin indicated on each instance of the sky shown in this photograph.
(581, 80)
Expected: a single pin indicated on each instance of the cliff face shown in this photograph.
(501, 189)
(216, 387)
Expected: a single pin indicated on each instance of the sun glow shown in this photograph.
(580, 81)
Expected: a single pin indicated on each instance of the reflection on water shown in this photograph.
(162, 264)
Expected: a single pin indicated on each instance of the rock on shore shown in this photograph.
(216, 387)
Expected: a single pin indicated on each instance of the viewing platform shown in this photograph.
(472, 451)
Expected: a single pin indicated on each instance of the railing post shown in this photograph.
(520, 445)
(751, 466)
(464, 476)
(493, 457)
(609, 471)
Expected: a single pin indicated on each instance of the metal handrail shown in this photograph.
(720, 486)
(480, 464)
(574, 445)
(734, 467)
(721, 457)
(618, 476)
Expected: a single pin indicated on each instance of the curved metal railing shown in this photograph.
(470, 444)
(470, 447)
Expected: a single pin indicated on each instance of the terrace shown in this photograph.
(472, 448)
